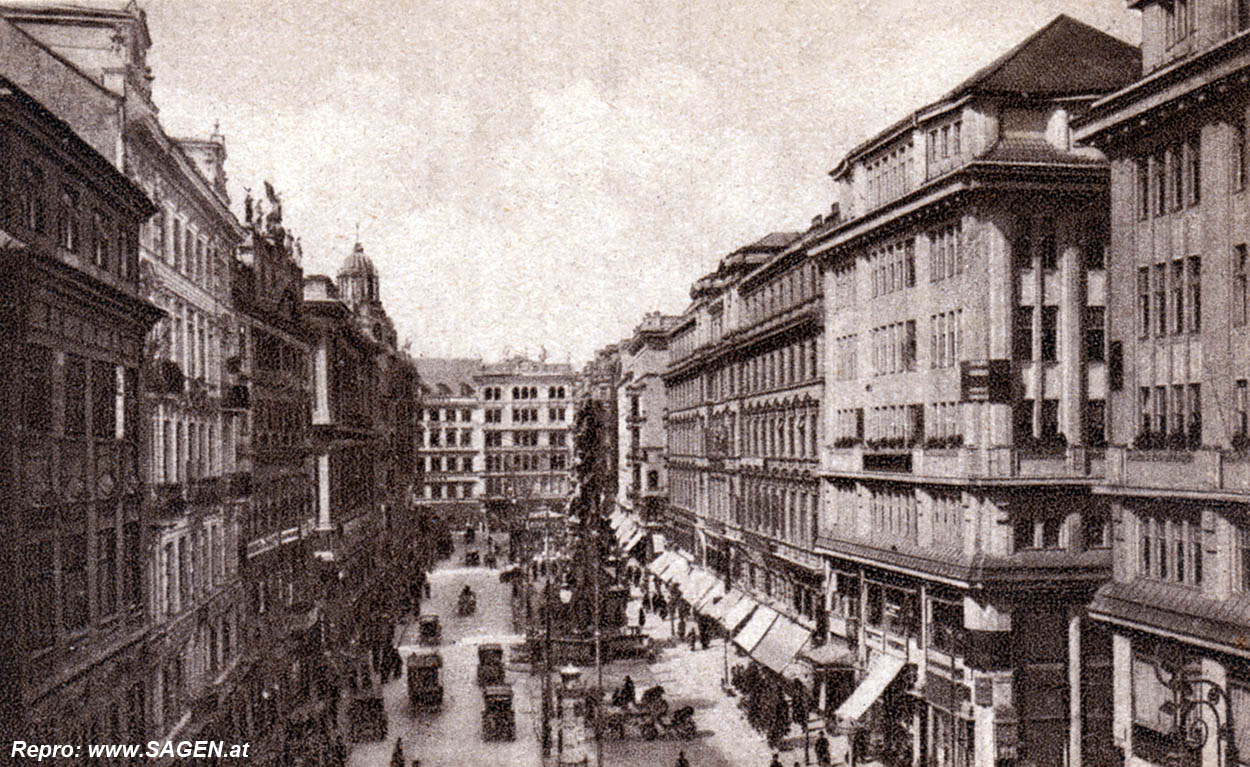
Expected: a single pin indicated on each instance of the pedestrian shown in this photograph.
(627, 690)
(642, 617)
(822, 750)
(776, 762)
(681, 759)
(694, 635)
(397, 756)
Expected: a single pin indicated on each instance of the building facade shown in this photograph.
(269, 376)
(1178, 605)
(450, 443)
(527, 419)
(966, 377)
(744, 384)
(74, 448)
(641, 403)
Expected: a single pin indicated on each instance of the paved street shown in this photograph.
(452, 737)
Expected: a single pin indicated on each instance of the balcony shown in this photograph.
(1204, 469)
(998, 463)
(204, 491)
(168, 501)
(237, 485)
(164, 377)
(236, 397)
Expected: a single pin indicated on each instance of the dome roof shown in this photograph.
(357, 263)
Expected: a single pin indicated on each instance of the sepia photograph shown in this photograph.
(544, 383)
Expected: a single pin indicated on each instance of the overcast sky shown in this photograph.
(540, 173)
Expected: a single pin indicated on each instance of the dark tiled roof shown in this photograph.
(1065, 57)
(453, 374)
(1176, 609)
(774, 241)
(1024, 149)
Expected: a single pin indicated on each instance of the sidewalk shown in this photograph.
(699, 675)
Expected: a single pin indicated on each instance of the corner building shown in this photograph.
(1178, 473)
(71, 433)
(965, 406)
(527, 414)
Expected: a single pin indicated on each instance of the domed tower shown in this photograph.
(358, 279)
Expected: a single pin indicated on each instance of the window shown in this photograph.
(1242, 557)
(1243, 23)
(909, 345)
(1050, 333)
(1049, 245)
(1239, 285)
(1193, 276)
(1193, 160)
(103, 400)
(1143, 188)
(1095, 333)
(1143, 300)
(1176, 176)
(1178, 296)
(106, 571)
(1160, 296)
(75, 395)
(1240, 423)
(1159, 182)
(37, 389)
(1022, 334)
(1095, 423)
(74, 603)
(67, 222)
(1170, 547)
(40, 571)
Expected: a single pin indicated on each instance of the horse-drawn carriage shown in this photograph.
(648, 719)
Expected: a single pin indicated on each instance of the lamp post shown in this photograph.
(1192, 694)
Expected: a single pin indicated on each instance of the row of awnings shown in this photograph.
(772, 639)
(627, 531)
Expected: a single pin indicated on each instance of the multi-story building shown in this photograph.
(73, 449)
(1178, 475)
(364, 404)
(743, 387)
(186, 251)
(641, 402)
(270, 388)
(450, 443)
(527, 419)
(966, 377)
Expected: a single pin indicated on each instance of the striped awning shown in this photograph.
(756, 628)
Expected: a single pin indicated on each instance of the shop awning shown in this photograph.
(627, 529)
(715, 592)
(698, 583)
(660, 563)
(637, 536)
(615, 518)
(781, 644)
(881, 671)
(715, 608)
(738, 612)
(756, 628)
(676, 570)
(834, 653)
(657, 542)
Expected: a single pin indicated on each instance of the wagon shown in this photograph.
(424, 688)
(498, 720)
(648, 720)
(490, 671)
(431, 630)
